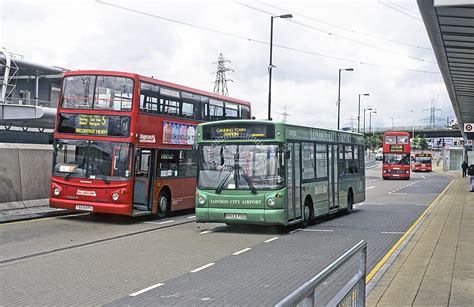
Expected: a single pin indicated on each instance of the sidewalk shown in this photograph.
(27, 209)
(436, 267)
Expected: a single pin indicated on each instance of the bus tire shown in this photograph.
(163, 206)
(350, 201)
(307, 212)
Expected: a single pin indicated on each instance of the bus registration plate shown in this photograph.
(84, 208)
(235, 216)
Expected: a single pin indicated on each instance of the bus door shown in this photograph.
(144, 177)
(333, 175)
(293, 182)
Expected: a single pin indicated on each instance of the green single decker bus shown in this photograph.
(264, 172)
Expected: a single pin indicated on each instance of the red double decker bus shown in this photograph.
(123, 143)
(396, 155)
(422, 162)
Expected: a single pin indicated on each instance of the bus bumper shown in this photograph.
(121, 209)
(240, 216)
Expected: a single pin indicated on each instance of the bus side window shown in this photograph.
(244, 112)
(342, 162)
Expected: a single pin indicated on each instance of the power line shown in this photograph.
(263, 42)
(399, 10)
(347, 29)
(404, 8)
(336, 35)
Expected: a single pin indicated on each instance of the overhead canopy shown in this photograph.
(450, 26)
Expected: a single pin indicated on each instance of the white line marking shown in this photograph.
(160, 223)
(146, 289)
(319, 230)
(242, 251)
(165, 222)
(270, 240)
(203, 267)
(296, 230)
(191, 217)
(368, 188)
(393, 232)
(205, 231)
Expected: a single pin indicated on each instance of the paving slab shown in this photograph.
(436, 267)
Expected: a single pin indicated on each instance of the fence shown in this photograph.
(328, 289)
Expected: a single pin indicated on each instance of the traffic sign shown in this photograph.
(468, 142)
(468, 127)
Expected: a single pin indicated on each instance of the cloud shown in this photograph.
(90, 35)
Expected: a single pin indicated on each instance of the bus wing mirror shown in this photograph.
(287, 154)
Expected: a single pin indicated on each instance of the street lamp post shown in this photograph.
(358, 112)
(392, 122)
(270, 66)
(413, 124)
(339, 96)
(370, 120)
(366, 109)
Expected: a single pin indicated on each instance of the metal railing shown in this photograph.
(350, 293)
(28, 102)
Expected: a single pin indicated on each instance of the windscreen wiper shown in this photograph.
(249, 183)
(222, 183)
(103, 177)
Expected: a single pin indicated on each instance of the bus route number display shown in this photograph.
(226, 132)
(92, 124)
(396, 148)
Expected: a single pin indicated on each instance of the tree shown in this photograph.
(372, 142)
(423, 143)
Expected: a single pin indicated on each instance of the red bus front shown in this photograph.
(396, 155)
(124, 143)
(422, 162)
(94, 143)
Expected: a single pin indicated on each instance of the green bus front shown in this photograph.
(255, 172)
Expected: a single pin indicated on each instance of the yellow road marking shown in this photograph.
(394, 247)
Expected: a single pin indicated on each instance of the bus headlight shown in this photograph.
(56, 191)
(201, 200)
(115, 196)
(271, 202)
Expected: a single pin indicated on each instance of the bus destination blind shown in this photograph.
(396, 148)
(238, 132)
(94, 124)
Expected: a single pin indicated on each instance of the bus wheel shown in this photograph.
(163, 204)
(350, 202)
(306, 214)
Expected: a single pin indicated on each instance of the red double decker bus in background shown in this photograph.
(422, 162)
(123, 143)
(396, 155)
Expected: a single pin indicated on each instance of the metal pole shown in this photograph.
(370, 121)
(358, 116)
(36, 88)
(3, 91)
(339, 101)
(364, 120)
(270, 71)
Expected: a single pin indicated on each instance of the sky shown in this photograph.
(384, 41)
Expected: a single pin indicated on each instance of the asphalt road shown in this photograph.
(89, 259)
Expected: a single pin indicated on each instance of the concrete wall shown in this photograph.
(25, 171)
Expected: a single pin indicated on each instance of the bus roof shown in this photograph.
(155, 81)
(260, 121)
(270, 131)
(396, 133)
